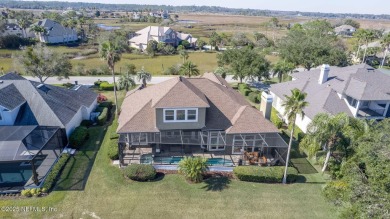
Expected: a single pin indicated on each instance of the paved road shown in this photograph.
(90, 80)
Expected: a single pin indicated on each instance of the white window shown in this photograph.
(181, 115)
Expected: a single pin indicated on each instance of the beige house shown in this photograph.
(200, 116)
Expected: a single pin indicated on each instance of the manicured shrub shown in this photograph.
(193, 168)
(254, 97)
(242, 87)
(107, 104)
(264, 174)
(113, 150)
(102, 118)
(56, 169)
(86, 123)
(26, 192)
(67, 85)
(78, 137)
(246, 92)
(97, 83)
(140, 172)
(106, 86)
(275, 119)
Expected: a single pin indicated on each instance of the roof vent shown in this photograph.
(1, 82)
(76, 87)
(40, 85)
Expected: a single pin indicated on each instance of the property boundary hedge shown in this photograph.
(264, 174)
(56, 169)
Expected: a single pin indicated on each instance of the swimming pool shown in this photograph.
(148, 159)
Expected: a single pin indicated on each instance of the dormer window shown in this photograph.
(181, 115)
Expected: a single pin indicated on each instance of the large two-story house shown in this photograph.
(359, 91)
(200, 116)
(35, 121)
(160, 34)
(55, 32)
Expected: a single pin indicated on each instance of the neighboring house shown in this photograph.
(359, 91)
(35, 121)
(162, 14)
(160, 34)
(12, 28)
(188, 37)
(24, 102)
(137, 15)
(345, 30)
(55, 32)
(200, 116)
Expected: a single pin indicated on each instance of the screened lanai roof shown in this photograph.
(22, 143)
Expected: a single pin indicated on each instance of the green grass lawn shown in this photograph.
(90, 186)
(206, 62)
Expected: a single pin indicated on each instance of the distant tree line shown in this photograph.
(207, 9)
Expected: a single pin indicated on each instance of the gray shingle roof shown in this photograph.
(10, 97)
(361, 82)
(53, 28)
(48, 105)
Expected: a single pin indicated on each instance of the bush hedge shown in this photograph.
(113, 150)
(97, 83)
(106, 86)
(255, 96)
(56, 169)
(102, 118)
(86, 123)
(78, 137)
(107, 104)
(264, 174)
(275, 119)
(140, 172)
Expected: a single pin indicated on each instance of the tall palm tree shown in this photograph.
(126, 81)
(112, 54)
(183, 53)
(38, 30)
(327, 131)
(385, 42)
(144, 76)
(368, 36)
(293, 106)
(281, 68)
(24, 23)
(189, 69)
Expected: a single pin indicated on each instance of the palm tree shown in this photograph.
(189, 69)
(112, 54)
(327, 130)
(367, 36)
(385, 42)
(144, 76)
(183, 53)
(38, 30)
(281, 68)
(125, 81)
(293, 106)
(24, 23)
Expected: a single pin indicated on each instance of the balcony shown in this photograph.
(369, 113)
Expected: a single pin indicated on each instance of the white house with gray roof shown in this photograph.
(358, 90)
(55, 32)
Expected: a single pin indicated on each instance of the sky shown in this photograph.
(334, 6)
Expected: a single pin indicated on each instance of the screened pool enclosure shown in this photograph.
(27, 153)
(231, 149)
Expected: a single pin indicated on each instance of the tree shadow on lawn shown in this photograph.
(216, 183)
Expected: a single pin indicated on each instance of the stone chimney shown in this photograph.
(324, 74)
(266, 104)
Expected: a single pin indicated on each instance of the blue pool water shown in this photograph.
(176, 160)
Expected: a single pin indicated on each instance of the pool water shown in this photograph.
(148, 159)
